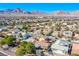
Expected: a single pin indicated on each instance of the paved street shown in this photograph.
(6, 52)
(1, 54)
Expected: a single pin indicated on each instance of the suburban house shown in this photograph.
(42, 43)
(50, 38)
(30, 39)
(55, 33)
(67, 33)
(60, 47)
(26, 36)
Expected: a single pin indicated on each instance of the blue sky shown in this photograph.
(46, 7)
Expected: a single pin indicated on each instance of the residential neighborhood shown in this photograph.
(24, 34)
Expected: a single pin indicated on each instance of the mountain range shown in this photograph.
(19, 10)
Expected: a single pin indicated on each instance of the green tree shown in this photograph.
(2, 42)
(25, 27)
(42, 32)
(23, 44)
(25, 47)
(20, 35)
(14, 23)
(58, 27)
(8, 40)
(1, 24)
(30, 48)
(20, 51)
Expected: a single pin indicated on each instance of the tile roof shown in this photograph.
(75, 48)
